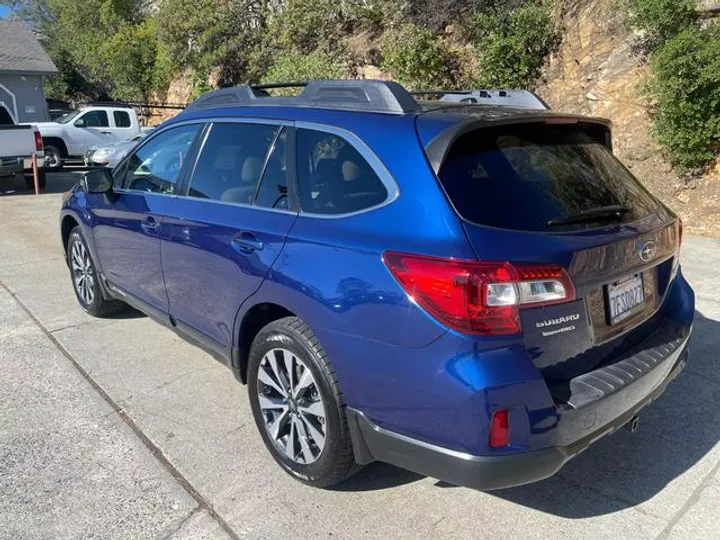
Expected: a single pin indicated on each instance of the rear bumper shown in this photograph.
(372, 442)
(18, 164)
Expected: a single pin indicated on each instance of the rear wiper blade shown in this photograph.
(613, 211)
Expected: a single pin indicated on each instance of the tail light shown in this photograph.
(38, 142)
(479, 297)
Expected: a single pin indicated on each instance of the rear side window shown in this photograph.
(95, 119)
(232, 162)
(122, 119)
(333, 177)
(5, 118)
(521, 177)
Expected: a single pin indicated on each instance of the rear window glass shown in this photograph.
(523, 176)
(5, 118)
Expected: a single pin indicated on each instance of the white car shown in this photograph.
(109, 155)
(71, 135)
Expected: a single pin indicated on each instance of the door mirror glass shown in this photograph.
(80, 123)
(98, 181)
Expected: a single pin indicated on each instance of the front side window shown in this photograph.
(232, 161)
(122, 119)
(333, 178)
(95, 119)
(156, 166)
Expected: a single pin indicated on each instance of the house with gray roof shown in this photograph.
(23, 66)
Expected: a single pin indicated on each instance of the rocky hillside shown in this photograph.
(598, 71)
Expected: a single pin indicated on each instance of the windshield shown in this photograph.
(67, 117)
(527, 176)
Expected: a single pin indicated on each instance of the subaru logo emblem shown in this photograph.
(647, 251)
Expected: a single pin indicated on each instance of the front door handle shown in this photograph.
(150, 224)
(246, 242)
(106, 132)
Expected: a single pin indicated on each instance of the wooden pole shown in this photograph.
(35, 175)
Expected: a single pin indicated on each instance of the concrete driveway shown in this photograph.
(118, 429)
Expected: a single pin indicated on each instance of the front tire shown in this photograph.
(85, 279)
(297, 404)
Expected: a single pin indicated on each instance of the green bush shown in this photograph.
(419, 58)
(297, 66)
(686, 86)
(511, 46)
(661, 19)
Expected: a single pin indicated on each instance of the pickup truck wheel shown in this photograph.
(85, 279)
(30, 182)
(53, 158)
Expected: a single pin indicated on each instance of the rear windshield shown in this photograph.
(5, 118)
(523, 176)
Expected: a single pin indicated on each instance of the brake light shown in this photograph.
(479, 297)
(38, 142)
(500, 429)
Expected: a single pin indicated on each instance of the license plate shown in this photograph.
(623, 297)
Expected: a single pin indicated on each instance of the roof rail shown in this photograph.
(348, 95)
(521, 99)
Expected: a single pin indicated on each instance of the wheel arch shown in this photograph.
(67, 224)
(58, 143)
(253, 320)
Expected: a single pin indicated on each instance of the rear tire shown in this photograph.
(54, 159)
(297, 404)
(85, 278)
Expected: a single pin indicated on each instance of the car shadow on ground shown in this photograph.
(625, 469)
(127, 313)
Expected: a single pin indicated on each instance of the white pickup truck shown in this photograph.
(73, 133)
(18, 145)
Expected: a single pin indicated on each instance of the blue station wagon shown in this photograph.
(472, 292)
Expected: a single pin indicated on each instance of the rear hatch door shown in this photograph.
(550, 190)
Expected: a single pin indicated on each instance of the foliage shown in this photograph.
(511, 45)
(208, 34)
(296, 66)
(686, 86)
(419, 58)
(131, 55)
(661, 19)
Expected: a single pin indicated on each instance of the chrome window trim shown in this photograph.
(237, 205)
(364, 150)
(156, 133)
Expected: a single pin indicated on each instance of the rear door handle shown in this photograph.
(106, 132)
(246, 242)
(150, 224)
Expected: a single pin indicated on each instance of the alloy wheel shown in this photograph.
(83, 276)
(52, 160)
(291, 406)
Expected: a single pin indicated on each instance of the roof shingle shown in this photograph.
(21, 52)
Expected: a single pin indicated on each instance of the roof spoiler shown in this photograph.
(519, 99)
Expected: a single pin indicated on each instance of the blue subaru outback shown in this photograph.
(476, 293)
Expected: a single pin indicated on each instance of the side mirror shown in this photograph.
(80, 122)
(98, 181)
